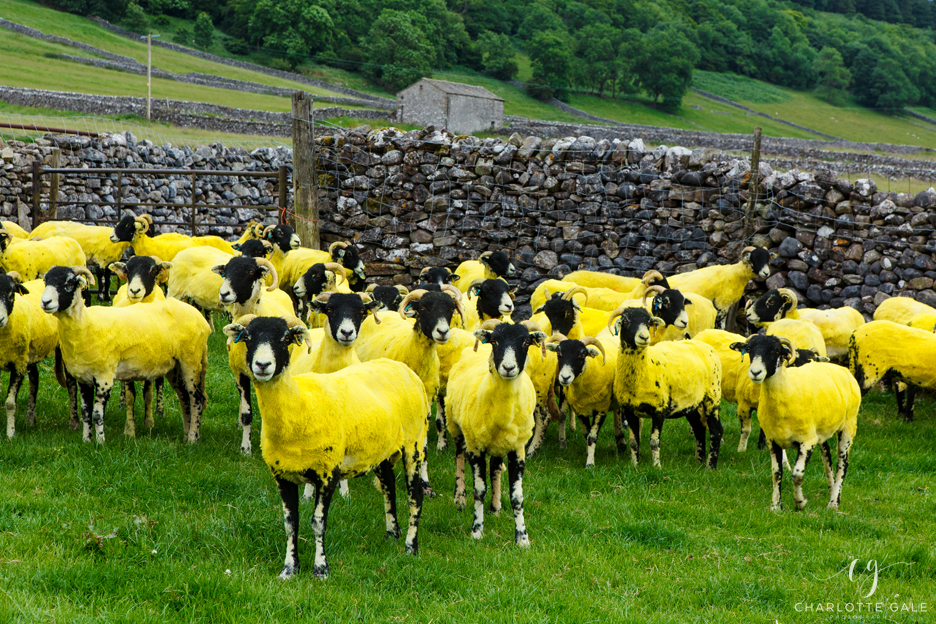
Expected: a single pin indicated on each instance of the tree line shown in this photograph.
(881, 52)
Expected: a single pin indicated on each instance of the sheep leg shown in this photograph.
(16, 380)
(289, 492)
(633, 423)
(74, 400)
(909, 396)
(246, 414)
(414, 494)
(827, 463)
(129, 392)
(343, 489)
(323, 496)
(102, 390)
(799, 468)
(844, 447)
(122, 396)
(86, 392)
(721, 316)
(148, 403)
(194, 385)
(308, 493)
(776, 467)
(716, 431)
(563, 416)
(515, 467)
(477, 463)
(655, 432)
(440, 422)
(496, 469)
(459, 472)
(762, 440)
(160, 407)
(424, 470)
(744, 417)
(698, 432)
(619, 423)
(592, 427)
(388, 486)
(33, 371)
(539, 431)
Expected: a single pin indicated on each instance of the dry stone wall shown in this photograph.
(426, 198)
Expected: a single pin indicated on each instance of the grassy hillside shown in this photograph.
(153, 530)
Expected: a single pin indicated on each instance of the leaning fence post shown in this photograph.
(753, 191)
(305, 202)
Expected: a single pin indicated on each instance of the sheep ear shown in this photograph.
(120, 269)
(687, 301)
(552, 346)
(656, 321)
(740, 347)
(616, 327)
(373, 306)
(20, 289)
(219, 269)
(161, 271)
(82, 282)
(475, 290)
(5, 238)
(482, 336)
(454, 277)
(318, 307)
(592, 351)
(235, 331)
(538, 310)
(297, 334)
(236, 246)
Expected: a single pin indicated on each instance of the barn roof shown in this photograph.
(457, 88)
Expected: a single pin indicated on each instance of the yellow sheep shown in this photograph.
(133, 230)
(901, 310)
(32, 259)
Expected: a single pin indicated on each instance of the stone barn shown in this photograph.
(459, 108)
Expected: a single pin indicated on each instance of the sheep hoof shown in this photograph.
(412, 549)
(833, 504)
(287, 573)
(477, 534)
(428, 491)
(460, 502)
(523, 541)
(442, 444)
(801, 504)
(562, 443)
(74, 425)
(129, 431)
(394, 533)
(245, 450)
(778, 507)
(320, 572)
(495, 510)
(591, 465)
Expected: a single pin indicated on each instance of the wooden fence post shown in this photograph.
(52, 212)
(754, 187)
(305, 200)
(37, 191)
(283, 192)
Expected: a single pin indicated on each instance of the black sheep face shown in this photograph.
(433, 312)
(345, 313)
(311, 283)
(572, 359)
(493, 298)
(253, 248)
(768, 354)
(500, 264)
(759, 261)
(243, 279)
(125, 230)
(634, 328)
(284, 238)
(770, 307)
(388, 297)
(670, 305)
(5, 239)
(61, 285)
(141, 274)
(439, 276)
(268, 340)
(9, 288)
(350, 258)
(562, 313)
(509, 347)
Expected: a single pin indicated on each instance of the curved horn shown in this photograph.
(292, 321)
(575, 290)
(531, 325)
(788, 294)
(556, 337)
(651, 275)
(413, 296)
(789, 345)
(337, 269)
(266, 263)
(589, 340)
(267, 230)
(370, 288)
(83, 270)
(16, 277)
(616, 313)
(323, 297)
(424, 271)
(451, 290)
(489, 325)
(747, 250)
(245, 319)
(474, 283)
(266, 244)
(366, 298)
(331, 248)
(657, 289)
(483, 256)
(403, 290)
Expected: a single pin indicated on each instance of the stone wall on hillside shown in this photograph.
(426, 198)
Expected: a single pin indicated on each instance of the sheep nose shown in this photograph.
(442, 333)
(135, 291)
(347, 333)
(508, 368)
(565, 381)
(262, 366)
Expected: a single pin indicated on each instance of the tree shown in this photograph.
(551, 58)
(663, 65)
(539, 19)
(203, 31)
(834, 78)
(597, 48)
(890, 88)
(397, 49)
(136, 19)
(497, 55)
(292, 29)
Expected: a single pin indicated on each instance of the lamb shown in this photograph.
(884, 349)
(491, 402)
(161, 339)
(319, 428)
(243, 291)
(27, 336)
(141, 274)
(489, 265)
(588, 385)
(32, 259)
(836, 325)
(802, 407)
(95, 243)
(724, 284)
(134, 230)
(667, 380)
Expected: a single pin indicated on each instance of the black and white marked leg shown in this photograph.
(320, 524)
(424, 474)
(148, 421)
(496, 469)
(827, 464)
(414, 495)
(74, 402)
(799, 470)
(478, 470)
(33, 372)
(716, 432)
(776, 470)
(86, 396)
(844, 449)
(620, 440)
(593, 427)
(102, 390)
(246, 414)
(698, 432)
(289, 492)
(16, 380)
(540, 422)
(459, 472)
(308, 492)
(129, 392)
(634, 425)
(744, 417)
(655, 440)
(515, 468)
(160, 405)
(440, 422)
(387, 483)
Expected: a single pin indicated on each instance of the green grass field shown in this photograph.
(153, 530)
